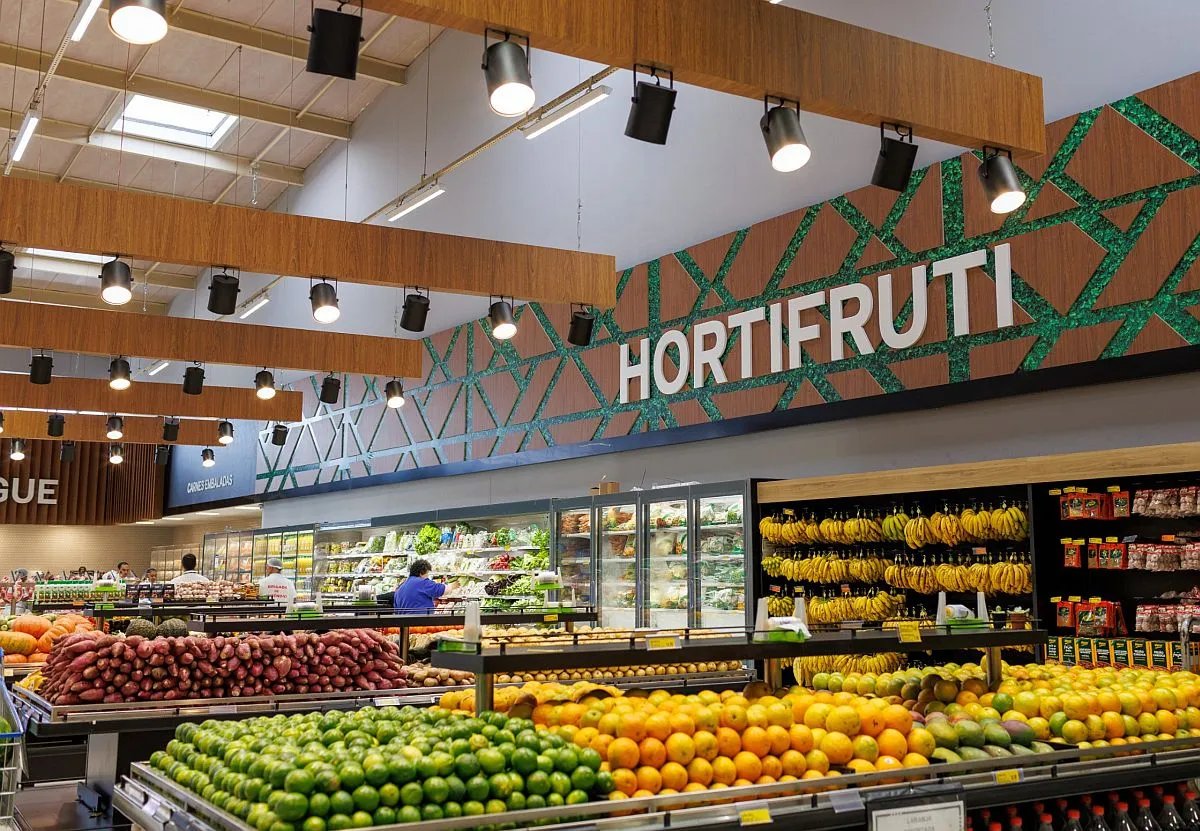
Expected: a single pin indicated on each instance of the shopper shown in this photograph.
(23, 589)
(417, 592)
(189, 575)
(122, 573)
(151, 576)
(275, 585)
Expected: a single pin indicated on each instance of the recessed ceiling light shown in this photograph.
(99, 259)
(145, 522)
(247, 507)
(208, 513)
(172, 519)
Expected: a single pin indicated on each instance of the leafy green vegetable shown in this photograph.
(540, 538)
(429, 540)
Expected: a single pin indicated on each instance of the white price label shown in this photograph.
(939, 816)
(218, 709)
(387, 701)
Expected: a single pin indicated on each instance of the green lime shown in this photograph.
(352, 775)
(495, 806)
(473, 808)
(389, 795)
(327, 781)
(555, 740)
(292, 806)
(490, 760)
(401, 769)
(583, 778)
(515, 801)
(554, 800)
(280, 825)
(457, 788)
(376, 773)
(299, 781)
(459, 746)
(341, 802)
(478, 788)
(538, 782)
(444, 762)
(366, 798)
(331, 736)
(429, 812)
(409, 813)
(313, 824)
(436, 790)
(560, 783)
(412, 793)
(361, 819)
(535, 801)
(265, 820)
(566, 760)
(604, 782)
(577, 797)
(529, 739)
(426, 767)
(517, 780)
(385, 815)
(489, 731)
(478, 741)
(504, 736)
(506, 750)
(524, 761)
(589, 757)
(318, 805)
(466, 765)
(452, 809)
(544, 763)
(500, 786)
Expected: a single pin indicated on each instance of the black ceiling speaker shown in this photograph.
(161, 454)
(416, 310)
(580, 333)
(55, 425)
(66, 453)
(222, 293)
(8, 267)
(894, 166)
(41, 368)
(193, 380)
(653, 105)
(279, 434)
(331, 390)
(334, 42)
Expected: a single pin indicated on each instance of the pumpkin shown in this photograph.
(39, 658)
(46, 642)
(17, 643)
(34, 625)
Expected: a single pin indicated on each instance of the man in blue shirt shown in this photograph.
(417, 592)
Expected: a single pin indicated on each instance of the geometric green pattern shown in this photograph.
(483, 397)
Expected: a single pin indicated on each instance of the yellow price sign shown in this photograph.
(1114, 488)
(1055, 599)
(549, 618)
(910, 631)
(1074, 598)
(1111, 539)
(1056, 491)
(756, 816)
(662, 642)
(1095, 540)
(1008, 777)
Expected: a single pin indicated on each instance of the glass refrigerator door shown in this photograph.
(259, 568)
(217, 557)
(666, 564)
(721, 561)
(573, 554)
(617, 559)
(304, 561)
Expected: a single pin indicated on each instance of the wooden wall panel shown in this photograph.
(58, 548)
(97, 332)
(99, 221)
(161, 397)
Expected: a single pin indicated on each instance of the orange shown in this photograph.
(541, 714)
(771, 766)
(682, 723)
(871, 721)
(748, 765)
(642, 793)
(914, 760)
(779, 738)
(706, 744)
(699, 772)
(694, 786)
(734, 717)
(625, 781)
(649, 779)
(609, 724)
(817, 735)
(583, 737)
(591, 717)
(623, 753)
(658, 726)
(888, 763)
(897, 717)
(843, 719)
(707, 718)
(567, 731)
(801, 737)
(674, 776)
(680, 748)
(1114, 725)
(893, 743)
(724, 770)
(633, 726)
(571, 713)
(837, 747)
(816, 762)
(865, 747)
(742, 783)
(756, 715)
(792, 762)
(921, 741)
(800, 705)
(1168, 722)
(755, 740)
(729, 742)
(780, 714)
(812, 774)
(816, 715)
(860, 766)
(652, 752)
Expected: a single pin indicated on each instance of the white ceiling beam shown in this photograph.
(107, 77)
(76, 299)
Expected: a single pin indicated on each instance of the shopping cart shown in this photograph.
(12, 754)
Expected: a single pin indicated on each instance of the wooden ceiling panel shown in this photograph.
(138, 430)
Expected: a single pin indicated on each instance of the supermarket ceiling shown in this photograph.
(419, 103)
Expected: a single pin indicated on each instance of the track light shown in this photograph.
(25, 134)
(116, 454)
(66, 453)
(1000, 181)
(333, 44)
(416, 310)
(118, 374)
(331, 389)
(324, 302)
(16, 450)
(264, 385)
(582, 322)
(139, 22)
(193, 380)
(40, 369)
(170, 429)
(115, 428)
(8, 270)
(223, 290)
(500, 315)
(83, 18)
(653, 104)
(569, 110)
(207, 457)
(394, 391)
(781, 131)
(279, 434)
(416, 199)
(116, 283)
(894, 166)
(162, 454)
(225, 432)
(506, 70)
(55, 425)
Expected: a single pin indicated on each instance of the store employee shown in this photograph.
(189, 575)
(275, 585)
(417, 592)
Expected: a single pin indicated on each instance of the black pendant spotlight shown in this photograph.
(139, 22)
(279, 434)
(41, 367)
(162, 454)
(66, 453)
(500, 316)
(781, 130)
(582, 323)
(119, 377)
(653, 104)
(193, 380)
(334, 42)
(264, 385)
(116, 283)
(394, 392)
(207, 457)
(223, 291)
(331, 389)
(55, 425)
(16, 450)
(324, 300)
(8, 268)
(506, 70)
(115, 428)
(225, 432)
(170, 429)
(116, 454)
(416, 310)
(1000, 182)
(897, 156)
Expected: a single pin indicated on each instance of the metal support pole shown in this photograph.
(994, 667)
(485, 688)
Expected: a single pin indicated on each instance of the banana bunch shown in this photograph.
(806, 668)
(33, 681)
(952, 578)
(1004, 576)
(867, 569)
(871, 607)
(863, 529)
(833, 529)
(947, 529)
(1010, 577)
(893, 525)
(827, 568)
(791, 531)
(1009, 523)
(780, 606)
(921, 579)
(977, 524)
(918, 532)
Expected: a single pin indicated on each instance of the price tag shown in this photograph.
(845, 588)
(788, 512)
(1066, 540)
(1055, 599)
(756, 816)
(848, 800)
(773, 589)
(1094, 599)
(979, 550)
(910, 631)
(1168, 538)
(1074, 598)
(939, 816)
(1079, 541)
(1056, 491)
(1114, 488)
(1111, 539)
(549, 618)
(662, 642)
(388, 701)
(1009, 777)
(1095, 540)
(1130, 538)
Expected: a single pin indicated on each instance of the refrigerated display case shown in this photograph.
(166, 559)
(241, 556)
(573, 550)
(618, 576)
(722, 580)
(666, 523)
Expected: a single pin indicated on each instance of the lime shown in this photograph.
(280, 825)
(555, 740)
(409, 813)
(495, 806)
(366, 798)
(589, 757)
(583, 778)
(313, 824)
(604, 782)
(376, 773)
(412, 794)
(389, 795)
(401, 769)
(385, 816)
(566, 760)
(491, 760)
(489, 731)
(444, 762)
(426, 767)
(577, 797)
(477, 741)
(500, 786)
(457, 788)
(265, 820)
(504, 735)
(459, 746)
(327, 781)
(361, 819)
(318, 805)
(538, 782)
(517, 780)
(506, 750)
(331, 736)
(352, 775)
(436, 790)
(544, 763)
(515, 801)
(292, 806)
(524, 761)
(299, 781)
(341, 802)
(554, 800)
(529, 739)
(429, 812)
(478, 788)
(560, 783)
(466, 765)
(473, 808)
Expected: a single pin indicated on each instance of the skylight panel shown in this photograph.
(169, 121)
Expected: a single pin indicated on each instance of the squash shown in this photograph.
(39, 658)
(17, 643)
(34, 625)
(46, 642)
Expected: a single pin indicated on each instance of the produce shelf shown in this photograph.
(371, 617)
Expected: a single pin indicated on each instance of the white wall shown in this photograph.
(1128, 414)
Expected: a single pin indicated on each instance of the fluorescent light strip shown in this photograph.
(552, 119)
(255, 306)
(208, 513)
(417, 200)
(158, 367)
(247, 507)
(83, 18)
(172, 519)
(26, 133)
(144, 522)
